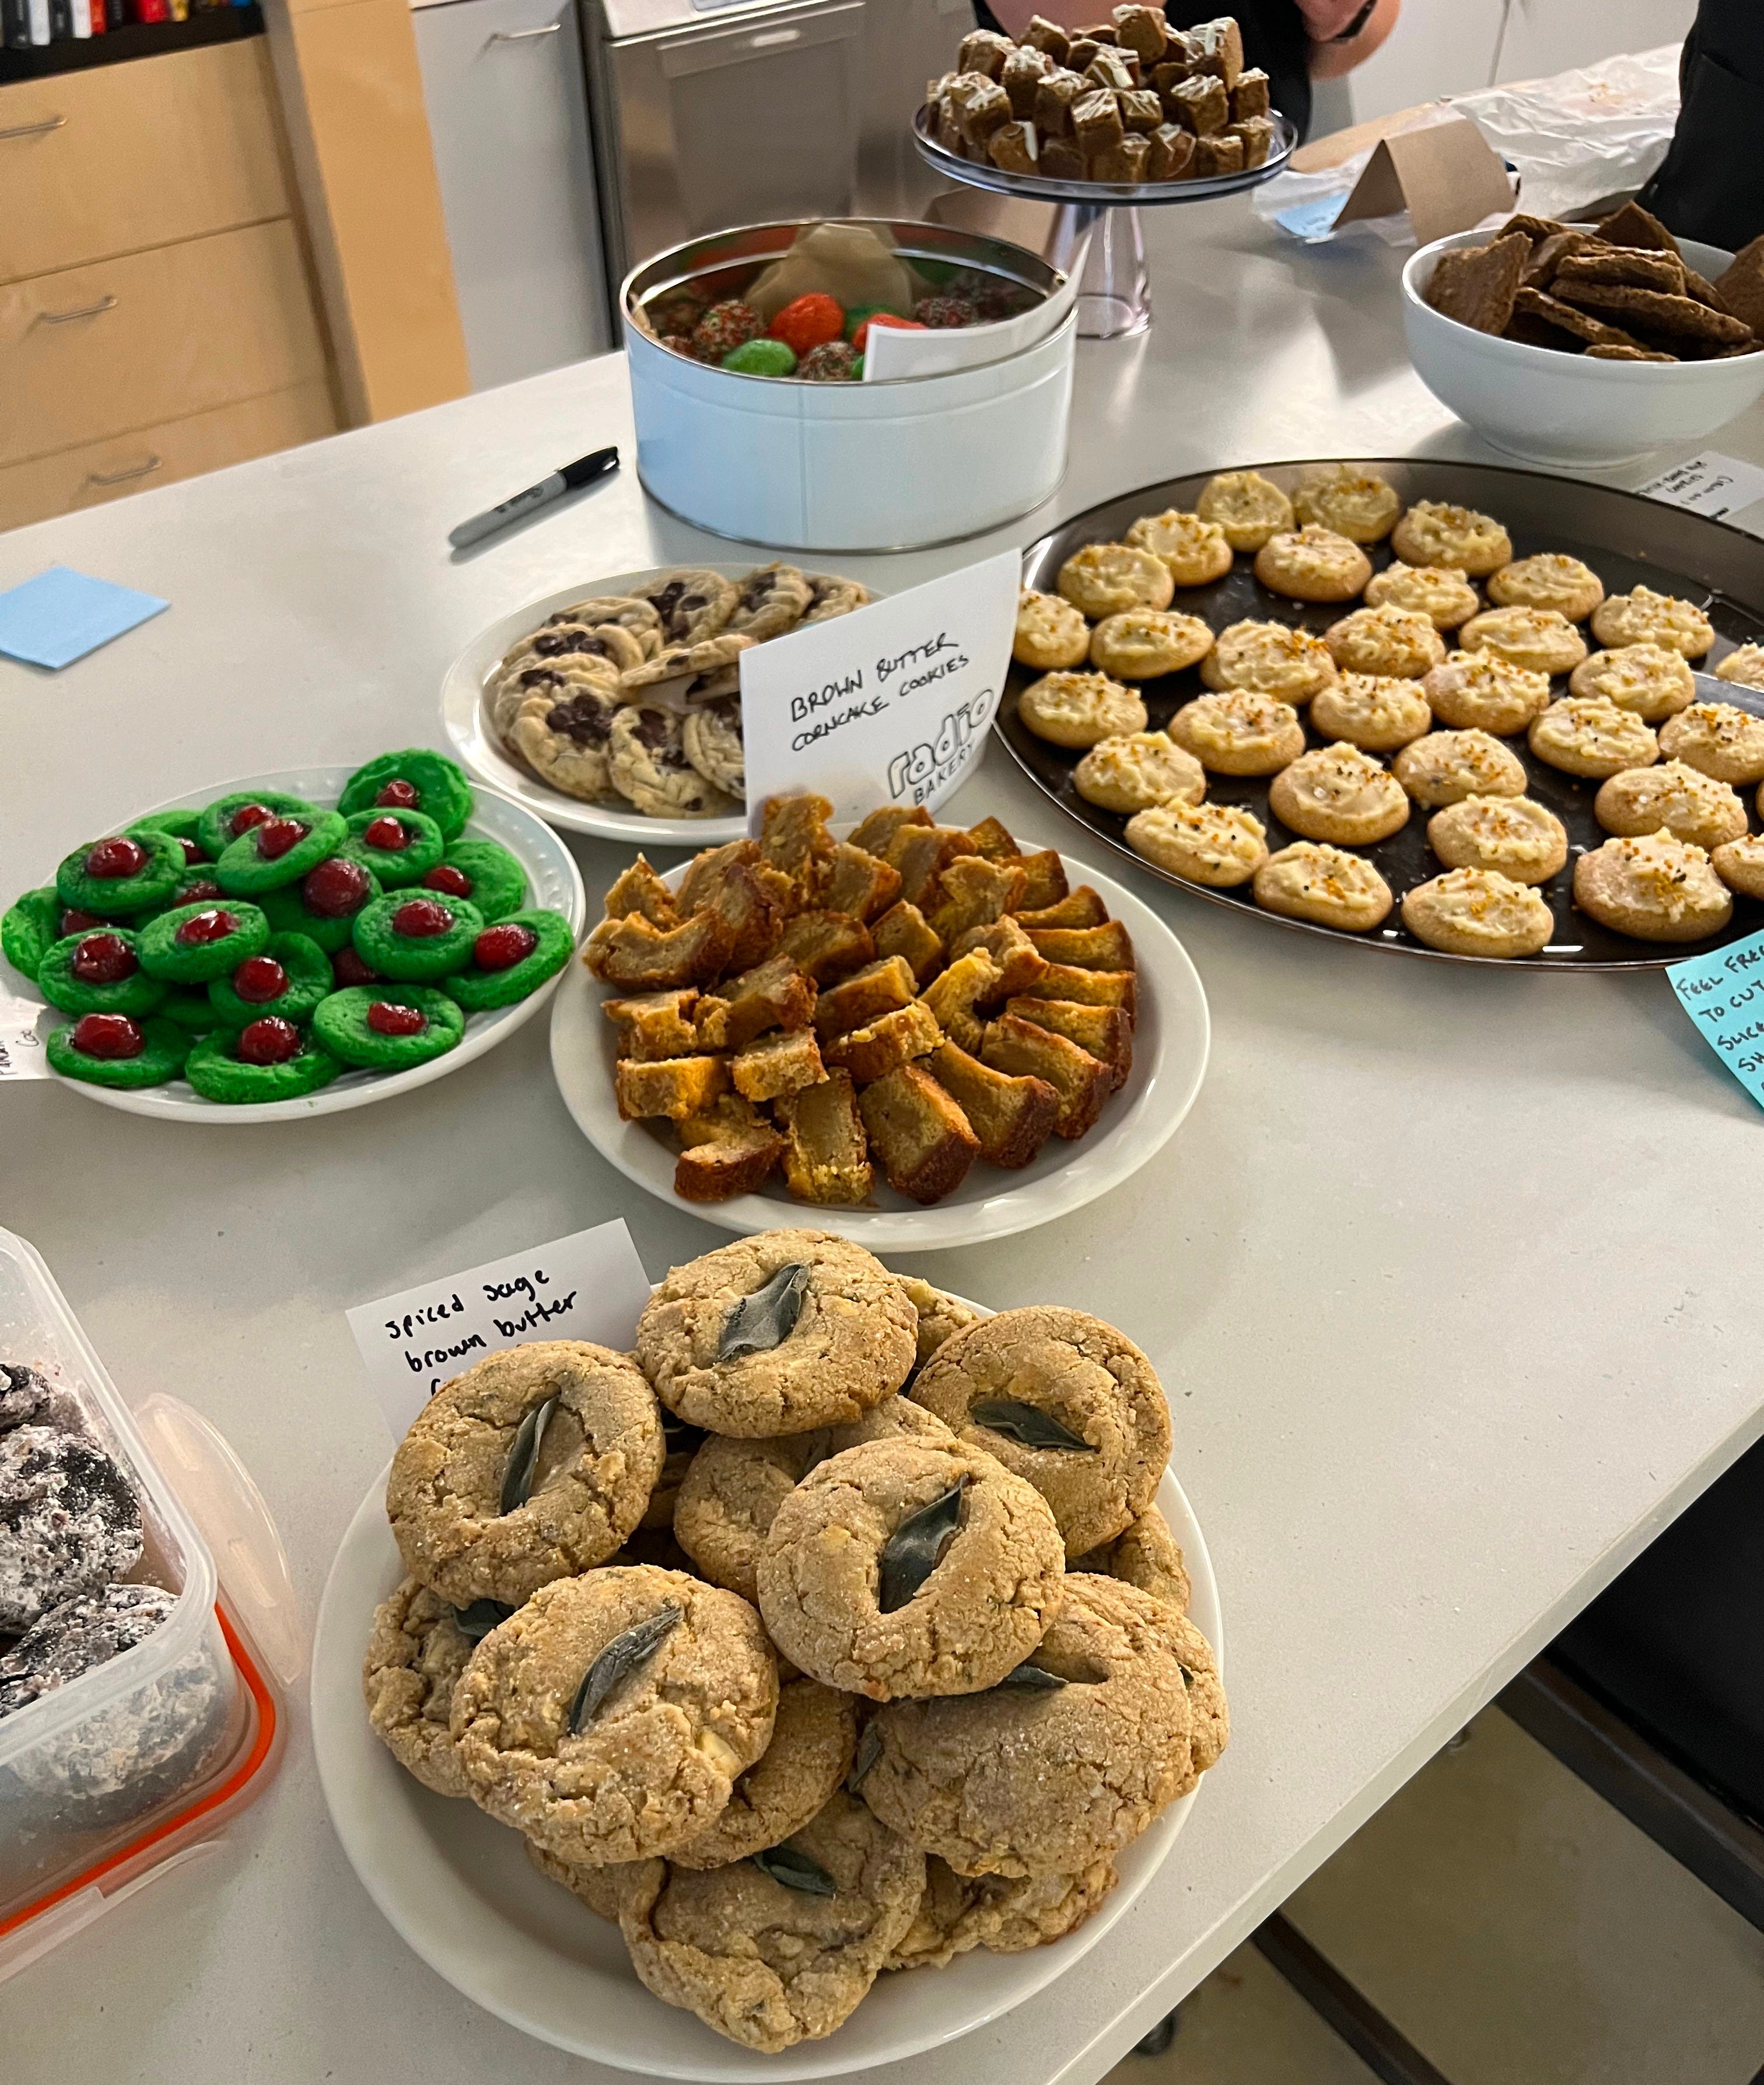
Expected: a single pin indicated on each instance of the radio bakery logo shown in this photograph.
(928, 766)
(939, 749)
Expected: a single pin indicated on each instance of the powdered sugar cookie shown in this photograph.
(1433, 532)
(1740, 865)
(1195, 552)
(1358, 504)
(1239, 731)
(1477, 912)
(1076, 710)
(1744, 665)
(1654, 888)
(1717, 739)
(1338, 793)
(1670, 798)
(1643, 617)
(1137, 770)
(1440, 592)
(1512, 835)
(1590, 735)
(1650, 679)
(1248, 506)
(1551, 580)
(1107, 578)
(1537, 639)
(1395, 642)
(1140, 644)
(1272, 658)
(1447, 765)
(1312, 564)
(1372, 712)
(1481, 691)
(1216, 844)
(1050, 632)
(1326, 884)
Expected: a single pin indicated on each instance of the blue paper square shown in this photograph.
(1723, 994)
(60, 615)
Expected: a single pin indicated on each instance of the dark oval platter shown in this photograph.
(1627, 540)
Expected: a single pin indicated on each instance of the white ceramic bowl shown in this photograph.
(1548, 407)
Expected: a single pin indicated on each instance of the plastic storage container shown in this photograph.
(109, 1779)
(867, 466)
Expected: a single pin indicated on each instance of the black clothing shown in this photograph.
(1274, 38)
(1710, 185)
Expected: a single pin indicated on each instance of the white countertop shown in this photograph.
(1448, 1273)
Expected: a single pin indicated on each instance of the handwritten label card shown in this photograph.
(1712, 485)
(21, 1053)
(888, 705)
(1723, 994)
(590, 1286)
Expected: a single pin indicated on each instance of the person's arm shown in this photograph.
(1327, 20)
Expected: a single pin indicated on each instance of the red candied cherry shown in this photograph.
(501, 948)
(108, 1035)
(421, 920)
(349, 968)
(385, 1017)
(454, 882)
(388, 835)
(193, 854)
(397, 797)
(112, 858)
(203, 928)
(104, 959)
(202, 890)
(336, 888)
(259, 979)
(73, 921)
(246, 816)
(276, 836)
(270, 1040)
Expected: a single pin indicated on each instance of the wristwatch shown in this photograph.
(1356, 26)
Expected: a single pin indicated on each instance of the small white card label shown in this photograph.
(888, 705)
(1712, 485)
(21, 1053)
(590, 1286)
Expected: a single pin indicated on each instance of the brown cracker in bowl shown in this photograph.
(1534, 308)
(1636, 267)
(1657, 312)
(1476, 285)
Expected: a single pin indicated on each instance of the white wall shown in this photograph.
(1449, 46)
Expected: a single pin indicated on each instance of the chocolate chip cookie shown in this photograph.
(646, 759)
(691, 605)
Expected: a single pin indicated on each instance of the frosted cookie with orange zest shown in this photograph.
(1338, 793)
(1248, 508)
(1744, 666)
(1446, 766)
(1312, 564)
(1358, 504)
(1076, 710)
(1194, 552)
(1434, 533)
(1477, 912)
(1238, 732)
(1589, 735)
(1137, 770)
(1718, 739)
(1050, 633)
(1551, 580)
(1536, 639)
(1652, 680)
(1140, 644)
(1216, 844)
(1398, 643)
(1481, 691)
(1512, 835)
(1440, 592)
(1643, 617)
(1107, 578)
(1372, 712)
(1674, 798)
(1740, 865)
(1653, 888)
(1271, 658)
(1324, 885)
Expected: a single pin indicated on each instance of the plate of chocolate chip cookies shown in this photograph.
(684, 1705)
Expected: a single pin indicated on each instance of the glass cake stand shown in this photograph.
(1114, 294)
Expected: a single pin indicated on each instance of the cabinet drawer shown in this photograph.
(78, 478)
(122, 158)
(92, 352)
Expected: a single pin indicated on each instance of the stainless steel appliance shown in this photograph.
(708, 113)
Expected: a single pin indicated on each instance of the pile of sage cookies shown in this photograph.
(831, 1631)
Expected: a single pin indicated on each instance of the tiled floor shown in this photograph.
(1518, 1931)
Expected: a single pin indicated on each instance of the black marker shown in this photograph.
(584, 471)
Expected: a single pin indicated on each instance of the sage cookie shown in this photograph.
(266, 1060)
(388, 1027)
(1672, 797)
(1379, 713)
(596, 1887)
(279, 851)
(772, 600)
(324, 904)
(645, 758)
(1643, 617)
(910, 1567)
(711, 737)
(416, 937)
(533, 1465)
(1004, 1914)
(1538, 640)
(510, 960)
(286, 981)
(609, 1718)
(484, 871)
(99, 972)
(1046, 1779)
(940, 1315)
(1445, 766)
(779, 1333)
(414, 780)
(112, 1049)
(798, 1773)
(1144, 1554)
(400, 847)
(1551, 580)
(1268, 659)
(782, 1948)
(123, 873)
(566, 741)
(732, 1489)
(415, 1655)
(691, 605)
(228, 818)
(1066, 1402)
(69, 1521)
(1209, 1714)
(1482, 691)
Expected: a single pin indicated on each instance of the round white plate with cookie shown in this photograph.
(459, 1888)
(1172, 1036)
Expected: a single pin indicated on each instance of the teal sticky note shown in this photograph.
(1723, 994)
(61, 614)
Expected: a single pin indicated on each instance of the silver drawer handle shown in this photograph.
(34, 129)
(122, 476)
(771, 37)
(80, 312)
(524, 36)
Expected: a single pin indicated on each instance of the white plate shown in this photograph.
(1170, 1042)
(462, 715)
(554, 882)
(458, 1887)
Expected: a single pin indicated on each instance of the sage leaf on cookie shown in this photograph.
(1032, 1678)
(1028, 1424)
(795, 1870)
(916, 1548)
(767, 1318)
(622, 1657)
(476, 1621)
(522, 1463)
(869, 1752)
